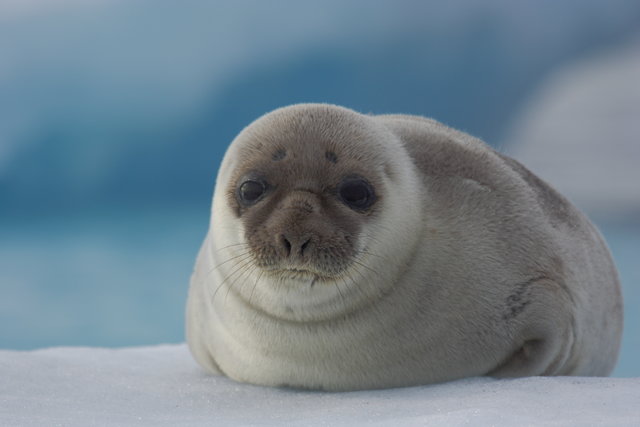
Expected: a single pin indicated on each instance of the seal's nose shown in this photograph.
(293, 246)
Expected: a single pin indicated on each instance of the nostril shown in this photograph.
(304, 246)
(286, 244)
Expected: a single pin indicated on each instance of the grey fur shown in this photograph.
(466, 263)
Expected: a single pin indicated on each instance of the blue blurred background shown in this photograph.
(114, 116)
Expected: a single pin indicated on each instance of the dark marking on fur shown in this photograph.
(519, 299)
(331, 156)
(279, 155)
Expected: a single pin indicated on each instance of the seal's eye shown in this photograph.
(250, 191)
(356, 193)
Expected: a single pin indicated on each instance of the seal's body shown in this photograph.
(349, 252)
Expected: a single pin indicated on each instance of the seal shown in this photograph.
(350, 251)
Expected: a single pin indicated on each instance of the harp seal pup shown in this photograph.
(350, 251)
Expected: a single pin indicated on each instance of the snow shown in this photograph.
(162, 385)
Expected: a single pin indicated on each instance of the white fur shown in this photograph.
(423, 305)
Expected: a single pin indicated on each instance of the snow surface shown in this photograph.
(162, 385)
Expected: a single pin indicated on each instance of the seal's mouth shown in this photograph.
(310, 276)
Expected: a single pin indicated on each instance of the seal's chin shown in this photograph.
(302, 274)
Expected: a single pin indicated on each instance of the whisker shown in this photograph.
(254, 287)
(371, 254)
(238, 267)
(244, 256)
(231, 246)
(357, 284)
(344, 302)
(250, 269)
(373, 239)
(363, 265)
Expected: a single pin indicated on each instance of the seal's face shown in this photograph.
(303, 199)
(303, 204)
(308, 195)
(298, 229)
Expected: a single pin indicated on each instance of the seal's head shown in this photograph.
(300, 208)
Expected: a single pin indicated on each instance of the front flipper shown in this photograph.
(539, 316)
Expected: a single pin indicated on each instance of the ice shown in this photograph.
(580, 132)
(162, 385)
